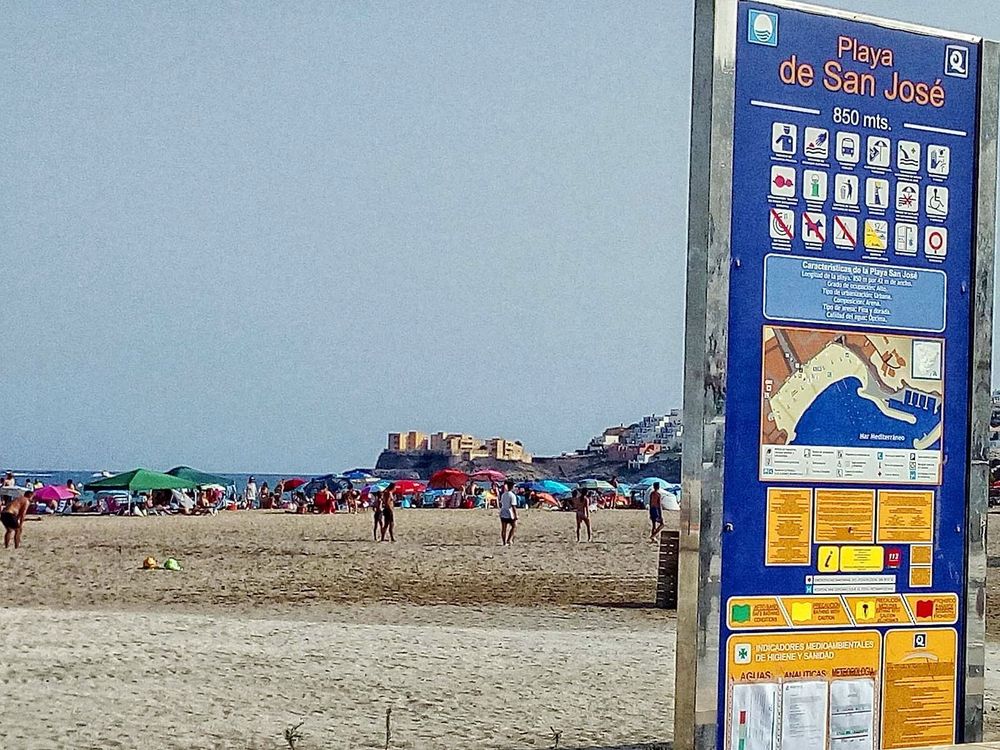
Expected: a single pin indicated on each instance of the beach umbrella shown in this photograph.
(376, 487)
(595, 484)
(332, 482)
(13, 491)
(553, 487)
(140, 480)
(292, 484)
(488, 475)
(200, 478)
(54, 492)
(359, 475)
(649, 481)
(407, 487)
(448, 479)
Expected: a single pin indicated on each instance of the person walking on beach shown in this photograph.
(655, 511)
(388, 516)
(12, 518)
(508, 514)
(581, 504)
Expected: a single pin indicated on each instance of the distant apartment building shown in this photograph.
(507, 450)
(634, 453)
(611, 436)
(403, 442)
(630, 443)
(664, 430)
(466, 447)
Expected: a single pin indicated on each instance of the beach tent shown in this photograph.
(200, 478)
(448, 479)
(671, 495)
(141, 480)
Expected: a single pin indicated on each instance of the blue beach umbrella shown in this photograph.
(546, 485)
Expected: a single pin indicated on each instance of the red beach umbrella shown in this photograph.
(448, 479)
(407, 487)
(292, 484)
(489, 475)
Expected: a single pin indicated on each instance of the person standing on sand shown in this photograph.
(508, 514)
(250, 493)
(655, 511)
(377, 508)
(388, 516)
(12, 518)
(581, 504)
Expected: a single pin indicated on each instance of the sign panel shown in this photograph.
(854, 151)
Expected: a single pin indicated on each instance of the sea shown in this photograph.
(839, 415)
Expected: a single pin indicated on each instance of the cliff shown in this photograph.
(571, 467)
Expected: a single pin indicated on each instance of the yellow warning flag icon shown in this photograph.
(802, 612)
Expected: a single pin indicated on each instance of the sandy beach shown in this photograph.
(280, 619)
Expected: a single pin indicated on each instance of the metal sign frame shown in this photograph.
(697, 687)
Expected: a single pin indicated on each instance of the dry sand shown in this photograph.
(278, 619)
(282, 619)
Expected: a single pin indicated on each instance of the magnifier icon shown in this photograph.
(956, 61)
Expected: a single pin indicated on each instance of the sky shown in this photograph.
(258, 237)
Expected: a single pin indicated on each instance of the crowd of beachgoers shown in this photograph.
(185, 491)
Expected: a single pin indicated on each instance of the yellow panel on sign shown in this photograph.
(816, 611)
(919, 680)
(861, 559)
(768, 657)
(887, 609)
(789, 526)
(755, 612)
(921, 554)
(920, 578)
(845, 516)
(905, 516)
(941, 609)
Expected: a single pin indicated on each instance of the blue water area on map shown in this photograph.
(839, 416)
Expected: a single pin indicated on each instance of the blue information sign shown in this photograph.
(847, 402)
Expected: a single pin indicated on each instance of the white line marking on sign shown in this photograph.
(932, 129)
(789, 107)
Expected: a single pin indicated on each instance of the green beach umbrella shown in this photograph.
(141, 480)
(200, 478)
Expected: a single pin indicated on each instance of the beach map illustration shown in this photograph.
(851, 406)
